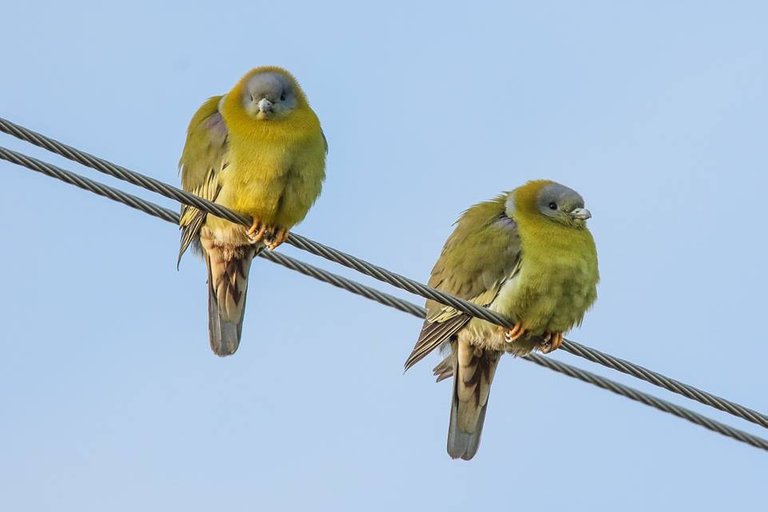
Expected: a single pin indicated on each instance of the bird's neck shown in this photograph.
(295, 126)
(541, 236)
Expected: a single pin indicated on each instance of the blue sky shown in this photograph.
(655, 111)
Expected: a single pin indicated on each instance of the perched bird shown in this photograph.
(528, 255)
(258, 150)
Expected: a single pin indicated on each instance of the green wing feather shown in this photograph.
(480, 255)
(205, 155)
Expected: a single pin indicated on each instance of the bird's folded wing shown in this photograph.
(433, 334)
(204, 157)
(478, 257)
(439, 328)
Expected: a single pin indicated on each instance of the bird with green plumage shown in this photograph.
(527, 255)
(258, 150)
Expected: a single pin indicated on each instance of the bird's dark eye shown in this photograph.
(552, 206)
(282, 96)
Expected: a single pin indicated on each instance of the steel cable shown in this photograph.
(379, 273)
(383, 298)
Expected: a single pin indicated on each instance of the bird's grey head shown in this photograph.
(269, 94)
(562, 204)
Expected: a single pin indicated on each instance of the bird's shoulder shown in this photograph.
(205, 149)
(481, 253)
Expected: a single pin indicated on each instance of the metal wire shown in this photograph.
(650, 400)
(88, 184)
(383, 298)
(380, 273)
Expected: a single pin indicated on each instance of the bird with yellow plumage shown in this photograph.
(528, 255)
(258, 150)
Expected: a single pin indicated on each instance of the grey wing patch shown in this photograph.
(434, 334)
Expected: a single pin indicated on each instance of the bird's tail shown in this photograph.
(473, 370)
(228, 268)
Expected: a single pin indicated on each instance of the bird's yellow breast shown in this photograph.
(276, 167)
(253, 182)
(557, 279)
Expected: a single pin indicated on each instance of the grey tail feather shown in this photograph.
(224, 335)
(224, 332)
(474, 368)
(462, 444)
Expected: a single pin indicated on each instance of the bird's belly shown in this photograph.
(553, 298)
(491, 336)
(223, 233)
(254, 186)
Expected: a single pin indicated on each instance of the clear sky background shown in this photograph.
(110, 399)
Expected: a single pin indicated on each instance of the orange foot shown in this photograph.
(257, 231)
(275, 236)
(514, 333)
(552, 341)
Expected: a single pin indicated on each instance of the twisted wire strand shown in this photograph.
(119, 172)
(383, 298)
(649, 400)
(380, 273)
(87, 184)
(344, 283)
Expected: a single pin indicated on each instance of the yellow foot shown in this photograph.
(514, 333)
(256, 232)
(552, 342)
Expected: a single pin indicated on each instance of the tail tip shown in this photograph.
(462, 445)
(225, 338)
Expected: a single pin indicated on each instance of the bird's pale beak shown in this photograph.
(581, 214)
(265, 105)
